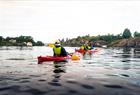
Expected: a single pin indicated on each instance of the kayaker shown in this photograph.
(85, 47)
(90, 46)
(59, 50)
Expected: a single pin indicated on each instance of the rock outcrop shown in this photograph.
(131, 42)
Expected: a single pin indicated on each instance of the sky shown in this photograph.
(49, 20)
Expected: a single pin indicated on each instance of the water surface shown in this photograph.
(106, 72)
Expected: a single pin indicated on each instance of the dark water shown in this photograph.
(106, 72)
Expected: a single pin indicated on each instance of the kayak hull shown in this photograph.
(51, 58)
(84, 51)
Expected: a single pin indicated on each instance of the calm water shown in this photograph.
(106, 72)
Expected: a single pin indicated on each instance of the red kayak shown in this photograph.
(83, 51)
(50, 58)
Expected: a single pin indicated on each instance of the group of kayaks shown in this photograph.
(42, 59)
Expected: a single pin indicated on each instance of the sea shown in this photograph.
(109, 71)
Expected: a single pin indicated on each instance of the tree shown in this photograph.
(39, 43)
(21, 39)
(1, 38)
(136, 34)
(126, 33)
(7, 38)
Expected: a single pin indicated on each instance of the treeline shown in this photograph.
(100, 39)
(110, 37)
(19, 41)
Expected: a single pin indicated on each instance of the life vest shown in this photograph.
(82, 47)
(57, 50)
(89, 47)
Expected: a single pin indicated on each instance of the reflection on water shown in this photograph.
(87, 56)
(96, 74)
(127, 50)
(126, 58)
(59, 68)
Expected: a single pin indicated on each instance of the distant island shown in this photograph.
(125, 39)
(19, 41)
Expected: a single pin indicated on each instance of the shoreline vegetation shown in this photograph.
(19, 41)
(125, 39)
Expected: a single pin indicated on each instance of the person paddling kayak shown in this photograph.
(59, 50)
(87, 46)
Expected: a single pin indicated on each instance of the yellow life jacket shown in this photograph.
(89, 47)
(57, 50)
(82, 47)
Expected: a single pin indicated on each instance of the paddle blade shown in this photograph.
(51, 45)
(75, 57)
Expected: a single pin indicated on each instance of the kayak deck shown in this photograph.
(50, 58)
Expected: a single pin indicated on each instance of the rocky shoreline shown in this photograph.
(131, 42)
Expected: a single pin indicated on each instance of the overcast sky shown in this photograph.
(49, 20)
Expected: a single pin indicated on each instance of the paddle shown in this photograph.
(50, 45)
(74, 56)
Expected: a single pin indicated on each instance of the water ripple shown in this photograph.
(125, 75)
(114, 86)
(108, 72)
(16, 59)
(54, 84)
(87, 86)
(35, 91)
